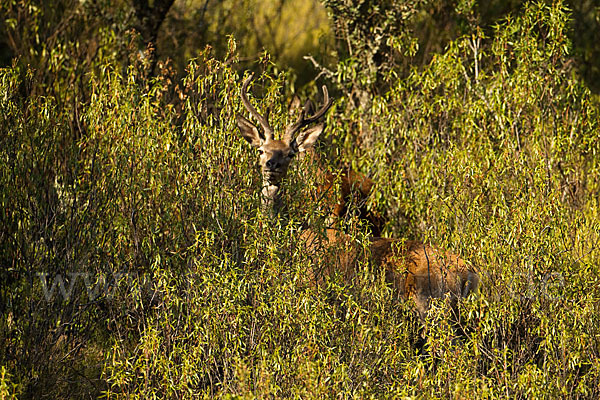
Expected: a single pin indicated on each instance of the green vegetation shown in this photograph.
(123, 178)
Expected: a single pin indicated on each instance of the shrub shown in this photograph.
(143, 202)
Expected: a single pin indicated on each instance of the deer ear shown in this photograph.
(295, 106)
(249, 131)
(307, 139)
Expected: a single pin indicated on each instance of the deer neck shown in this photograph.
(271, 197)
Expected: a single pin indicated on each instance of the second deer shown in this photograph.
(416, 270)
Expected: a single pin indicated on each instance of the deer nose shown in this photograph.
(271, 164)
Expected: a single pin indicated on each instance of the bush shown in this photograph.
(143, 203)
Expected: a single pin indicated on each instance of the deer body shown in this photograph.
(422, 272)
(416, 270)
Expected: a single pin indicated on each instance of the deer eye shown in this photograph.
(261, 152)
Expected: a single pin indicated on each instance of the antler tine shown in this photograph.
(327, 103)
(262, 120)
(303, 120)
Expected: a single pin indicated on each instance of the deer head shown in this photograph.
(277, 154)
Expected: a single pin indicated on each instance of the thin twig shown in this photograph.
(324, 71)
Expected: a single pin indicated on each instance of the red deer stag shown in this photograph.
(415, 270)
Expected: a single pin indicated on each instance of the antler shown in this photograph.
(262, 120)
(303, 120)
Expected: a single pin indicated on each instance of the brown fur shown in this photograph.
(416, 271)
(355, 188)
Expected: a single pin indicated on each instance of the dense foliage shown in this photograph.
(135, 261)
